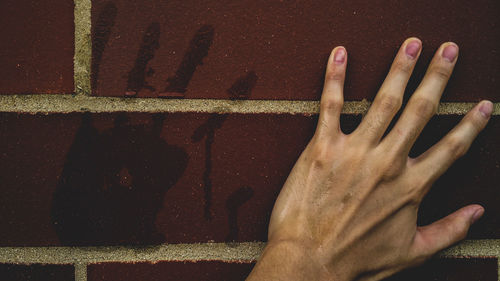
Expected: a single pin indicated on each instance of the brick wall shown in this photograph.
(148, 140)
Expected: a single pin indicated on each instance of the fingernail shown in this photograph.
(477, 214)
(486, 109)
(450, 52)
(339, 56)
(412, 48)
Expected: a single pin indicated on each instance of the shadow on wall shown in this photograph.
(112, 185)
(233, 203)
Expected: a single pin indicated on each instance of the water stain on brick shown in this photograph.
(137, 76)
(207, 131)
(242, 89)
(113, 184)
(197, 50)
(233, 203)
(102, 31)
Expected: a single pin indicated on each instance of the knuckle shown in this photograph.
(389, 103)
(424, 108)
(332, 103)
(335, 75)
(392, 171)
(460, 230)
(478, 122)
(318, 164)
(457, 147)
(407, 134)
(390, 164)
(321, 153)
(403, 67)
(372, 125)
(440, 72)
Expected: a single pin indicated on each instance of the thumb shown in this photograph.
(447, 231)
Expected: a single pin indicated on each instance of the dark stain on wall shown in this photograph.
(197, 50)
(113, 184)
(137, 76)
(100, 35)
(233, 203)
(243, 86)
(207, 131)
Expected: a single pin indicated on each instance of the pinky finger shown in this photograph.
(455, 144)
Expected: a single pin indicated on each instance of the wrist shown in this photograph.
(291, 260)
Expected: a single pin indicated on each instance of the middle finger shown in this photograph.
(390, 96)
(424, 102)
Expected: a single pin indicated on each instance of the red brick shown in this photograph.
(78, 179)
(196, 49)
(36, 46)
(37, 272)
(461, 269)
(436, 269)
(204, 270)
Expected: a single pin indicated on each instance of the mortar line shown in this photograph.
(80, 272)
(43, 103)
(83, 46)
(226, 252)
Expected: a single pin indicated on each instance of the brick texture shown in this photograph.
(36, 272)
(196, 49)
(436, 270)
(164, 271)
(109, 179)
(36, 46)
(461, 269)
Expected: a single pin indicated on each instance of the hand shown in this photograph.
(348, 209)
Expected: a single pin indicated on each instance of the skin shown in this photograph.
(348, 210)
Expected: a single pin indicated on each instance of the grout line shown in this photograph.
(83, 46)
(474, 248)
(233, 252)
(243, 252)
(80, 272)
(83, 103)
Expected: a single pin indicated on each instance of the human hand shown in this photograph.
(348, 210)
